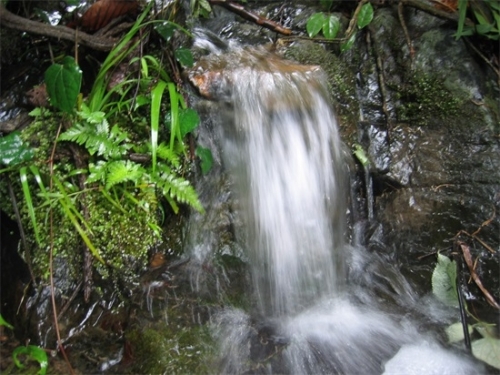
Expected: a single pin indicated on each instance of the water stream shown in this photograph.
(321, 304)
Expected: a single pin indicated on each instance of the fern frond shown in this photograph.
(164, 152)
(97, 139)
(177, 188)
(123, 170)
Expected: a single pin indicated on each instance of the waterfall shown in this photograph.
(282, 151)
(285, 155)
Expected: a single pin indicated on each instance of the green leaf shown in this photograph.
(361, 155)
(188, 121)
(348, 45)
(444, 284)
(315, 24)
(166, 30)
(205, 5)
(33, 352)
(206, 158)
(331, 27)
(455, 332)
(487, 350)
(23, 174)
(462, 12)
(4, 323)
(63, 84)
(185, 57)
(13, 150)
(365, 15)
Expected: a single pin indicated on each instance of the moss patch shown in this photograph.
(426, 100)
(163, 349)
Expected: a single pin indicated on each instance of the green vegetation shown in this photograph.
(444, 286)
(329, 24)
(107, 193)
(486, 15)
(29, 352)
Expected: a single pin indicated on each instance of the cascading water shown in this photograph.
(285, 157)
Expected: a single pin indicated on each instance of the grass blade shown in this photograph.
(23, 172)
(156, 95)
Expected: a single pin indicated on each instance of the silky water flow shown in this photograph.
(319, 301)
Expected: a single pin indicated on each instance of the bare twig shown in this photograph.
(51, 259)
(468, 260)
(12, 21)
(405, 31)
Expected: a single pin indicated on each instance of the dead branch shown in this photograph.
(12, 21)
(468, 259)
(248, 15)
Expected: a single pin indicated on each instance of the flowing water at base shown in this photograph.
(285, 157)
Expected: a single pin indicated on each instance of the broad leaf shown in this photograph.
(361, 155)
(348, 45)
(455, 332)
(205, 5)
(315, 24)
(331, 27)
(444, 284)
(487, 350)
(206, 158)
(188, 120)
(13, 151)
(166, 30)
(34, 352)
(185, 57)
(365, 15)
(63, 84)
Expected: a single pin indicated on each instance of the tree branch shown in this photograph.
(12, 21)
(242, 12)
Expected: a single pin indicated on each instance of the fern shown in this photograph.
(176, 188)
(97, 139)
(165, 153)
(119, 171)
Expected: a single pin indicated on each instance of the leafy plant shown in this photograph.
(329, 24)
(200, 8)
(63, 84)
(33, 353)
(486, 16)
(114, 181)
(444, 287)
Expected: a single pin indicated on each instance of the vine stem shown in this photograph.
(51, 258)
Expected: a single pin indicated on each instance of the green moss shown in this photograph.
(165, 349)
(426, 99)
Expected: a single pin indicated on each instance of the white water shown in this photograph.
(284, 155)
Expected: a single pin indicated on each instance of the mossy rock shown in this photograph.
(341, 80)
(165, 349)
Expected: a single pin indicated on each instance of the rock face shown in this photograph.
(429, 121)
